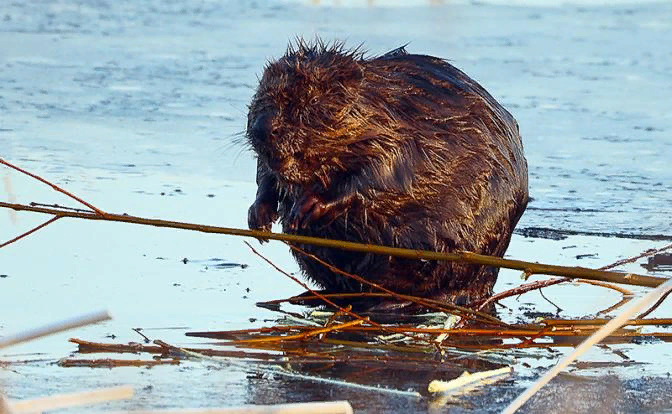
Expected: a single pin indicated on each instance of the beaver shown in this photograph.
(401, 150)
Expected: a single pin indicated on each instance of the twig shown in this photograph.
(655, 305)
(537, 268)
(602, 333)
(58, 206)
(615, 306)
(619, 289)
(54, 186)
(633, 259)
(303, 335)
(139, 332)
(559, 309)
(55, 328)
(29, 232)
(519, 290)
(68, 400)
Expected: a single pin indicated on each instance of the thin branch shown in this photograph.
(303, 335)
(538, 268)
(633, 259)
(615, 306)
(519, 290)
(29, 232)
(559, 309)
(58, 206)
(624, 291)
(655, 305)
(54, 186)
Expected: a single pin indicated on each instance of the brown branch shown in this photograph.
(615, 306)
(54, 186)
(538, 268)
(625, 292)
(29, 232)
(655, 305)
(304, 335)
(633, 259)
(519, 290)
(602, 321)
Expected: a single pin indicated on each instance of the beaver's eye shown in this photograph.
(315, 100)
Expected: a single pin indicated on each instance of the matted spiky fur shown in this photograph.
(400, 150)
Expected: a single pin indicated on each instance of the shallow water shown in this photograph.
(136, 107)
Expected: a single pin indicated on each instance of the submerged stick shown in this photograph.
(115, 363)
(57, 327)
(602, 333)
(529, 267)
(68, 400)
(328, 407)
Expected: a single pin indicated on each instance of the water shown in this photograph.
(136, 107)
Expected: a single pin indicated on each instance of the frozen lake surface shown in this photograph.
(136, 107)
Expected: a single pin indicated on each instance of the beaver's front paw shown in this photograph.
(261, 216)
(307, 209)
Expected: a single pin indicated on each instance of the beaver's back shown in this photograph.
(458, 180)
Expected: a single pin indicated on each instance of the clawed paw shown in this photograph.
(307, 209)
(261, 216)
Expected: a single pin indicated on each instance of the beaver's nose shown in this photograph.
(262, 128)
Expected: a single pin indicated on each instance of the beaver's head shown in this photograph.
(305, 110)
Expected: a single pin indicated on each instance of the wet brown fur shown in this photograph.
(401, 150)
